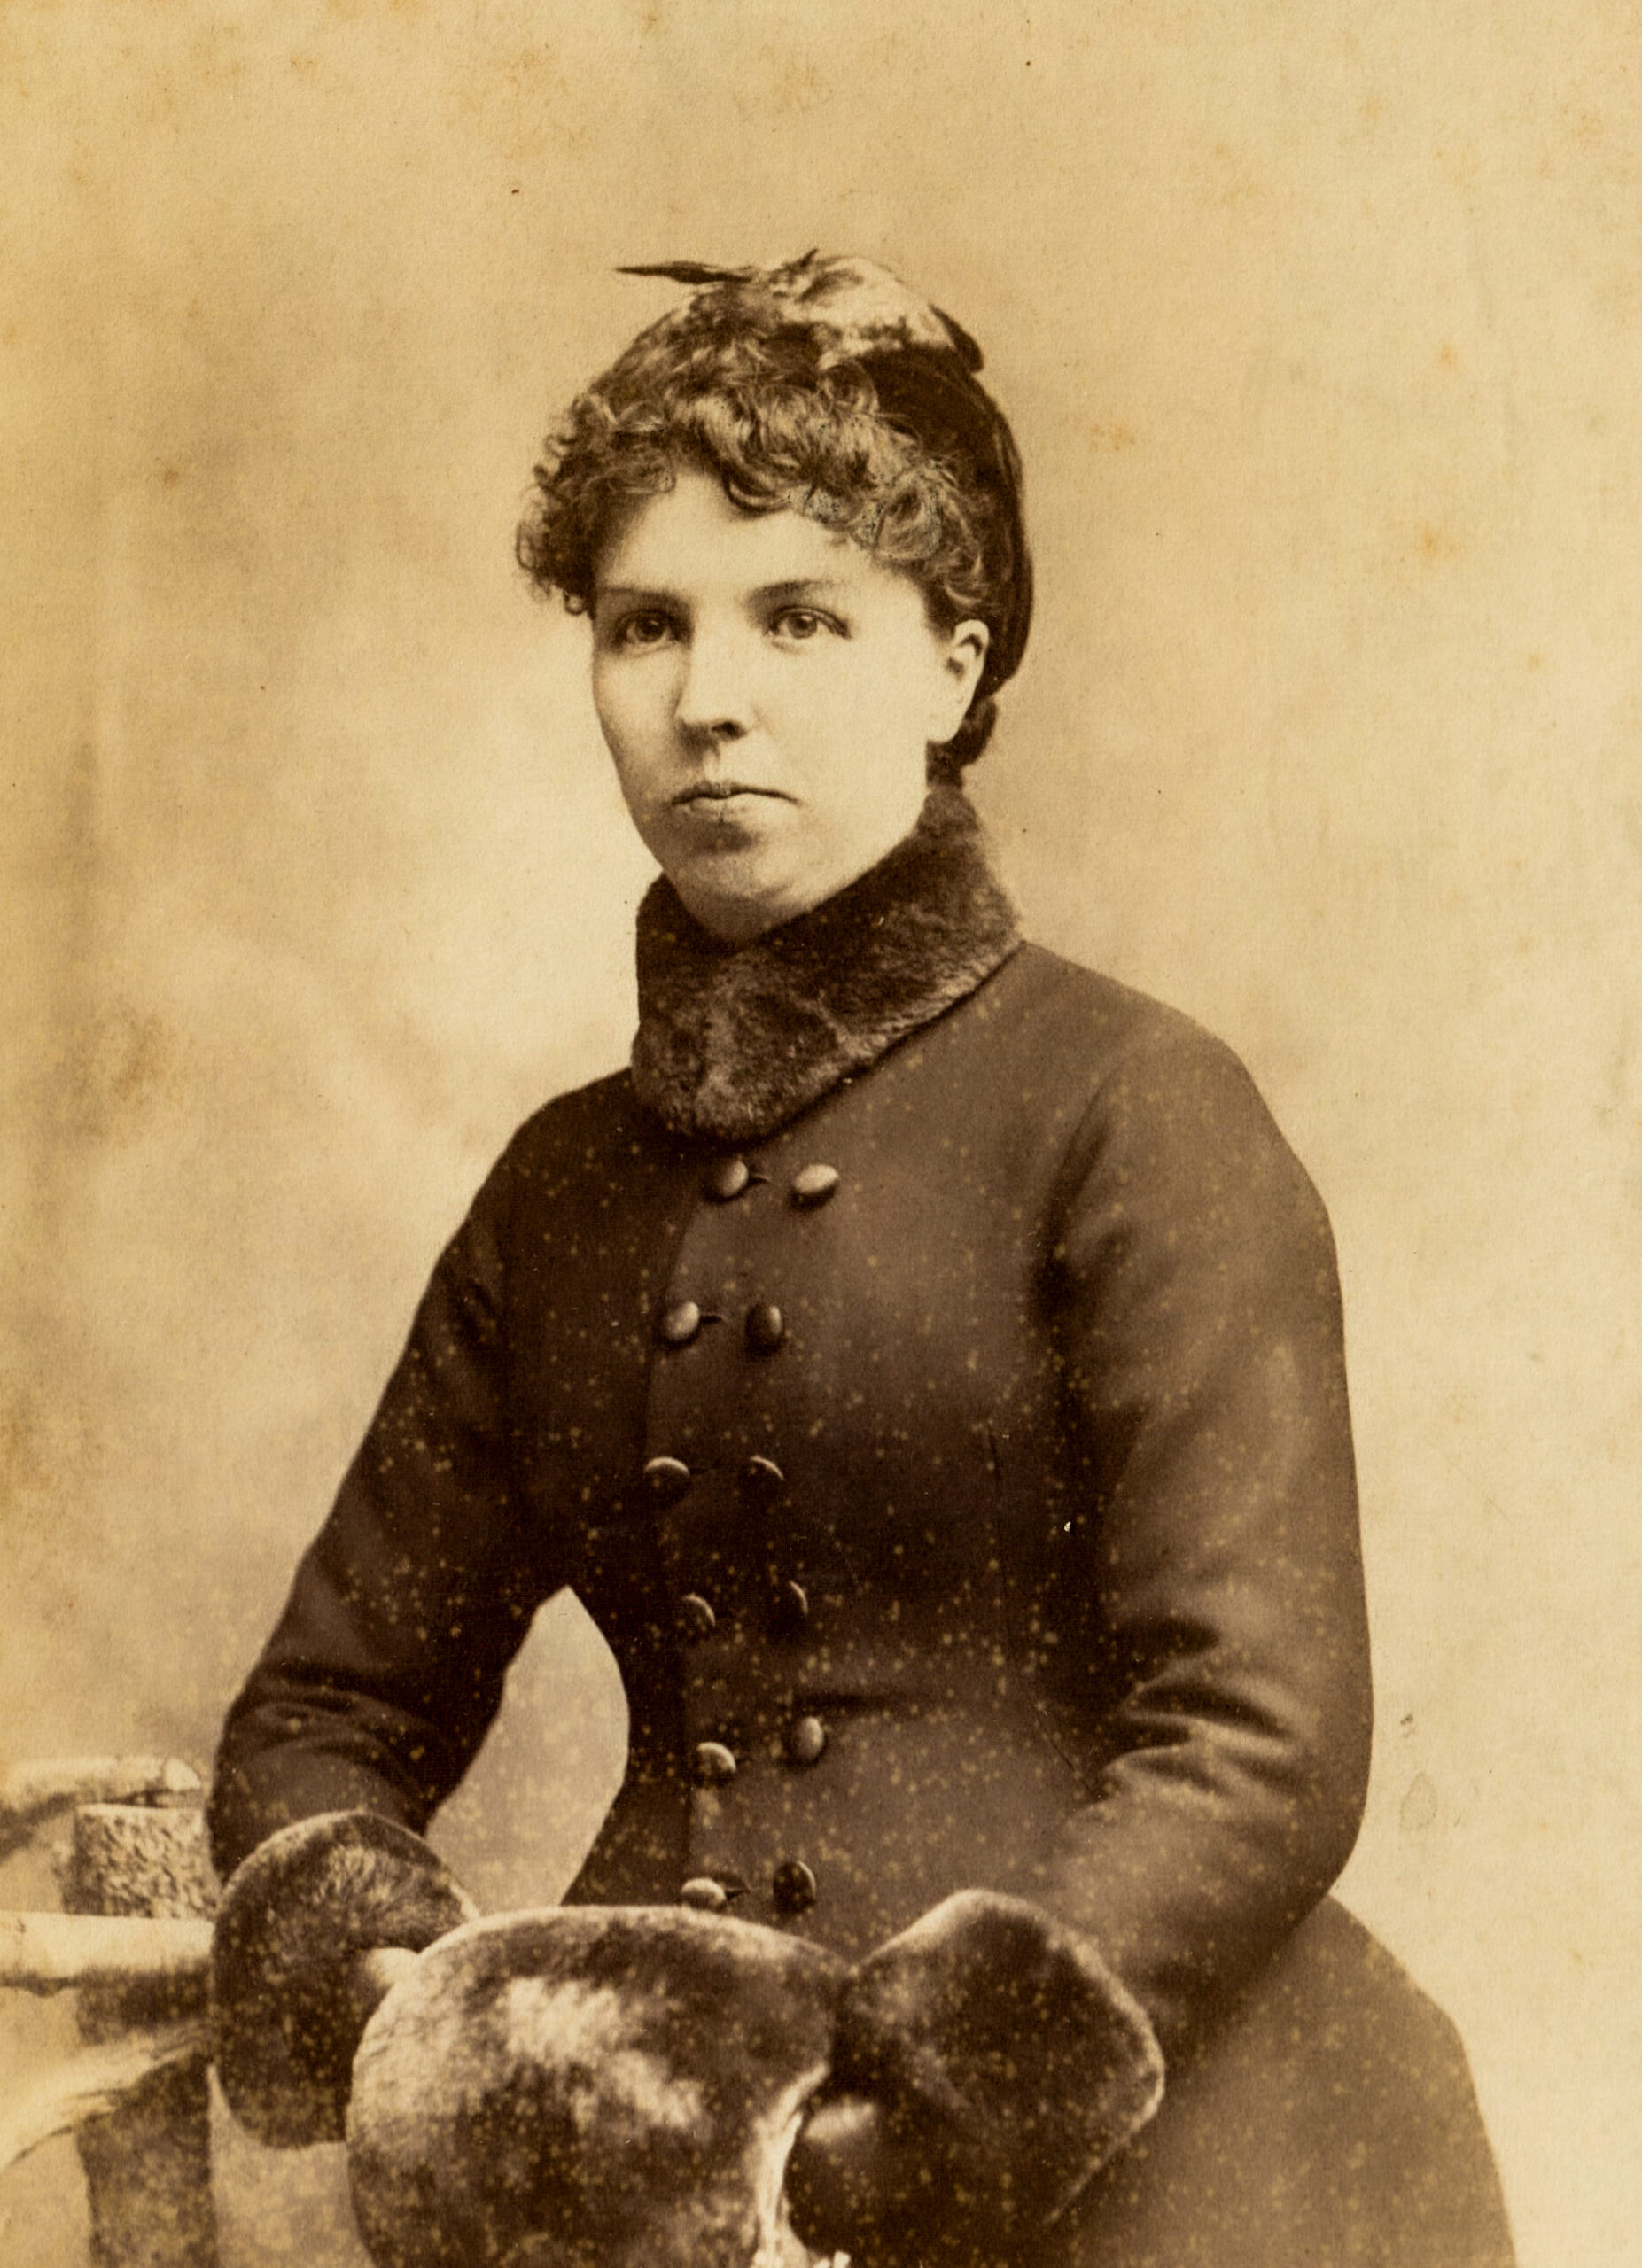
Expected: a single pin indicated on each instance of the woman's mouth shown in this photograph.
(728, 814)
(722, 791)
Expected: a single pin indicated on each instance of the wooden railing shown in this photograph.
(133, 1943)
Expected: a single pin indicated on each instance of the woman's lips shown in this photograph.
(723, 791)
(728, 807)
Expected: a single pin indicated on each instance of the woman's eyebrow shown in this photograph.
(803, 587)
(798, 589)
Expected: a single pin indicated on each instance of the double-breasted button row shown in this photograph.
(713, 1763)
(697, 1618)
(680, 1323)
(760, 1482)
(727, 1178)
(759, 1485)
(792, 1886)
(764, 1326)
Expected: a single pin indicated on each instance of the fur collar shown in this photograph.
(732, 1041)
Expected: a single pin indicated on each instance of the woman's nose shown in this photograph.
(715, 691)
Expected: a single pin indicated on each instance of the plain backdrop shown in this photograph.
(1321, 328)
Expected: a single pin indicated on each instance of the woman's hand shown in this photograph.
(986, 2064)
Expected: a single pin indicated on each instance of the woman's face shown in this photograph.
(768, 691)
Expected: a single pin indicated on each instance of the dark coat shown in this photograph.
(979, 1510)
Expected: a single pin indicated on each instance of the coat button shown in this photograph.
(712, 1763)
(793, 1886)
(807, 1737)
(697, 1619)
(813, 1185)
(726, 1179)
(766, 1328)
(712, 1892)
(789, 1607)
(762, 1481)
(667, 1479)
(678, 1325)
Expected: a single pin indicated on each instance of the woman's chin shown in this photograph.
(738, 907)
(738, 885)
(740, 879)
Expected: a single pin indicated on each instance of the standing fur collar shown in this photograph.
(732, 1041)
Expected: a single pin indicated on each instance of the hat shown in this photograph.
(923, 365)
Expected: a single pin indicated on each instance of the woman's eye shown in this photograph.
(647, 629)
(799, 622)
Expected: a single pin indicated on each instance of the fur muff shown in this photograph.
(987, 2064)
(293, 1916)
(589, 2088)
(732, 1041)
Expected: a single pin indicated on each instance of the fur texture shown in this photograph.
(735, 1041)
(589, 2088)
(987, 2064)
(287, 2015)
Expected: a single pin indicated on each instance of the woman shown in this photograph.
(925, 1363)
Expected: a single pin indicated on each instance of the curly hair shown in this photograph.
(897, 447)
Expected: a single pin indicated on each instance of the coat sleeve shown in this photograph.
(386, 1669)
(1213, 1670)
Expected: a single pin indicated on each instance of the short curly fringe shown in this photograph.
(781, 429)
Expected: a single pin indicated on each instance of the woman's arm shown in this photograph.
(386, 1669)
(1200, 1637)
(1214, 1672)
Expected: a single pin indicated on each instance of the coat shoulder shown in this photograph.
(586, 1128)
(567, 1118)
(1127, 1052)
(1115, 1022)
(1153, 1104)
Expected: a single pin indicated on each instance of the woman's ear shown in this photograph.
(962, 665)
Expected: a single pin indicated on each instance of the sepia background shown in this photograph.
(1321, 329)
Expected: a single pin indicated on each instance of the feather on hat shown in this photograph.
(859, 307)
(923, 363)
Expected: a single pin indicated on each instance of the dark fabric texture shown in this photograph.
(1326, 2119)
(1009, 1458)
